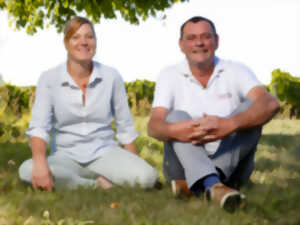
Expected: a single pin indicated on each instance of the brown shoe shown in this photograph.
(226, 197)
(180, 188)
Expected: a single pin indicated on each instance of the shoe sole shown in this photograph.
(231, 201)
(180, 188)
(174, 188)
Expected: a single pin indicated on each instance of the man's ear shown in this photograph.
(180, 43)
(217, 41)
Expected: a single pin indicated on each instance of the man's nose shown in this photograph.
(199, 41)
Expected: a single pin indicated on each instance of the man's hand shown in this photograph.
(213, 128)
(41, 176)
(185, 131)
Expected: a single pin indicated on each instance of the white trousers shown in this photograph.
(117, 165)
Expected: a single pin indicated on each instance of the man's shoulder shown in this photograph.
(175, 67)
(232, 65)
(173, 71)
(236, 72)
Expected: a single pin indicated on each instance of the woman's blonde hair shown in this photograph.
(73, 25)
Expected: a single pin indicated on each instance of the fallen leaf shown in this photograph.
(114, 205)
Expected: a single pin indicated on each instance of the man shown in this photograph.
(209, 113)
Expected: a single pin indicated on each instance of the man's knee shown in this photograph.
(177, 116)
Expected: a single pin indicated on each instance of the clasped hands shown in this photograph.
(203, 130)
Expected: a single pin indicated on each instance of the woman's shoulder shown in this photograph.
(106, 71)
(53, 74)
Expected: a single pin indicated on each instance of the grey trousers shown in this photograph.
(233, 161)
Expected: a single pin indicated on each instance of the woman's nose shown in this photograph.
(83, 41)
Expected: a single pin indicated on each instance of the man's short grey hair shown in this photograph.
(197, 19)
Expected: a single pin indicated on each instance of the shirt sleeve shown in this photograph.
(40, 124)
(126, 132)
(163, 95)
(245, 80)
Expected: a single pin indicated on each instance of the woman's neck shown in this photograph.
(79, 70)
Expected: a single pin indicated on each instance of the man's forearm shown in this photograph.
(159, 130)
(261, 111)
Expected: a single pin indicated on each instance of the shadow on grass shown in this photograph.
(287, 150)
(264, 165)
(281, 140)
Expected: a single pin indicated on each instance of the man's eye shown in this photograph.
(190, 37)
(207, 36)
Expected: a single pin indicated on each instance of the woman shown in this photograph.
(76, 102)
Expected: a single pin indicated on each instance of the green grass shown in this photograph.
(273, 195)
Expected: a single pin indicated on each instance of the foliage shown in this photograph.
(15, 109)
(33, 14)
(1, 81)
(287, 89)
(140, 96)
(273, 196)
(16, 103)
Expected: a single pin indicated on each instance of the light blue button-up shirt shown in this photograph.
(81, 131)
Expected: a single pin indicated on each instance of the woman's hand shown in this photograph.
(131, 147)
(41, 176)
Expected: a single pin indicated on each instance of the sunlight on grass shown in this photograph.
(288, 127)
(273, 196)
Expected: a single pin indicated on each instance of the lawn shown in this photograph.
(273, 196)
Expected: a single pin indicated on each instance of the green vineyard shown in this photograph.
(287, 90)
(16, 102)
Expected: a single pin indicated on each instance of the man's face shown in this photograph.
(199, 43)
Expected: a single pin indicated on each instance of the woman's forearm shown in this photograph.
(38, 148)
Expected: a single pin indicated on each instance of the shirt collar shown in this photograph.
(219, 68)
(96, 76)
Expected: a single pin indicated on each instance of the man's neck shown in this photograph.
(202, 73)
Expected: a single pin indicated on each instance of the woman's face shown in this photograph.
(81, 46)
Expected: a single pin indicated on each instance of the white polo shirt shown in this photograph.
(177, 89)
